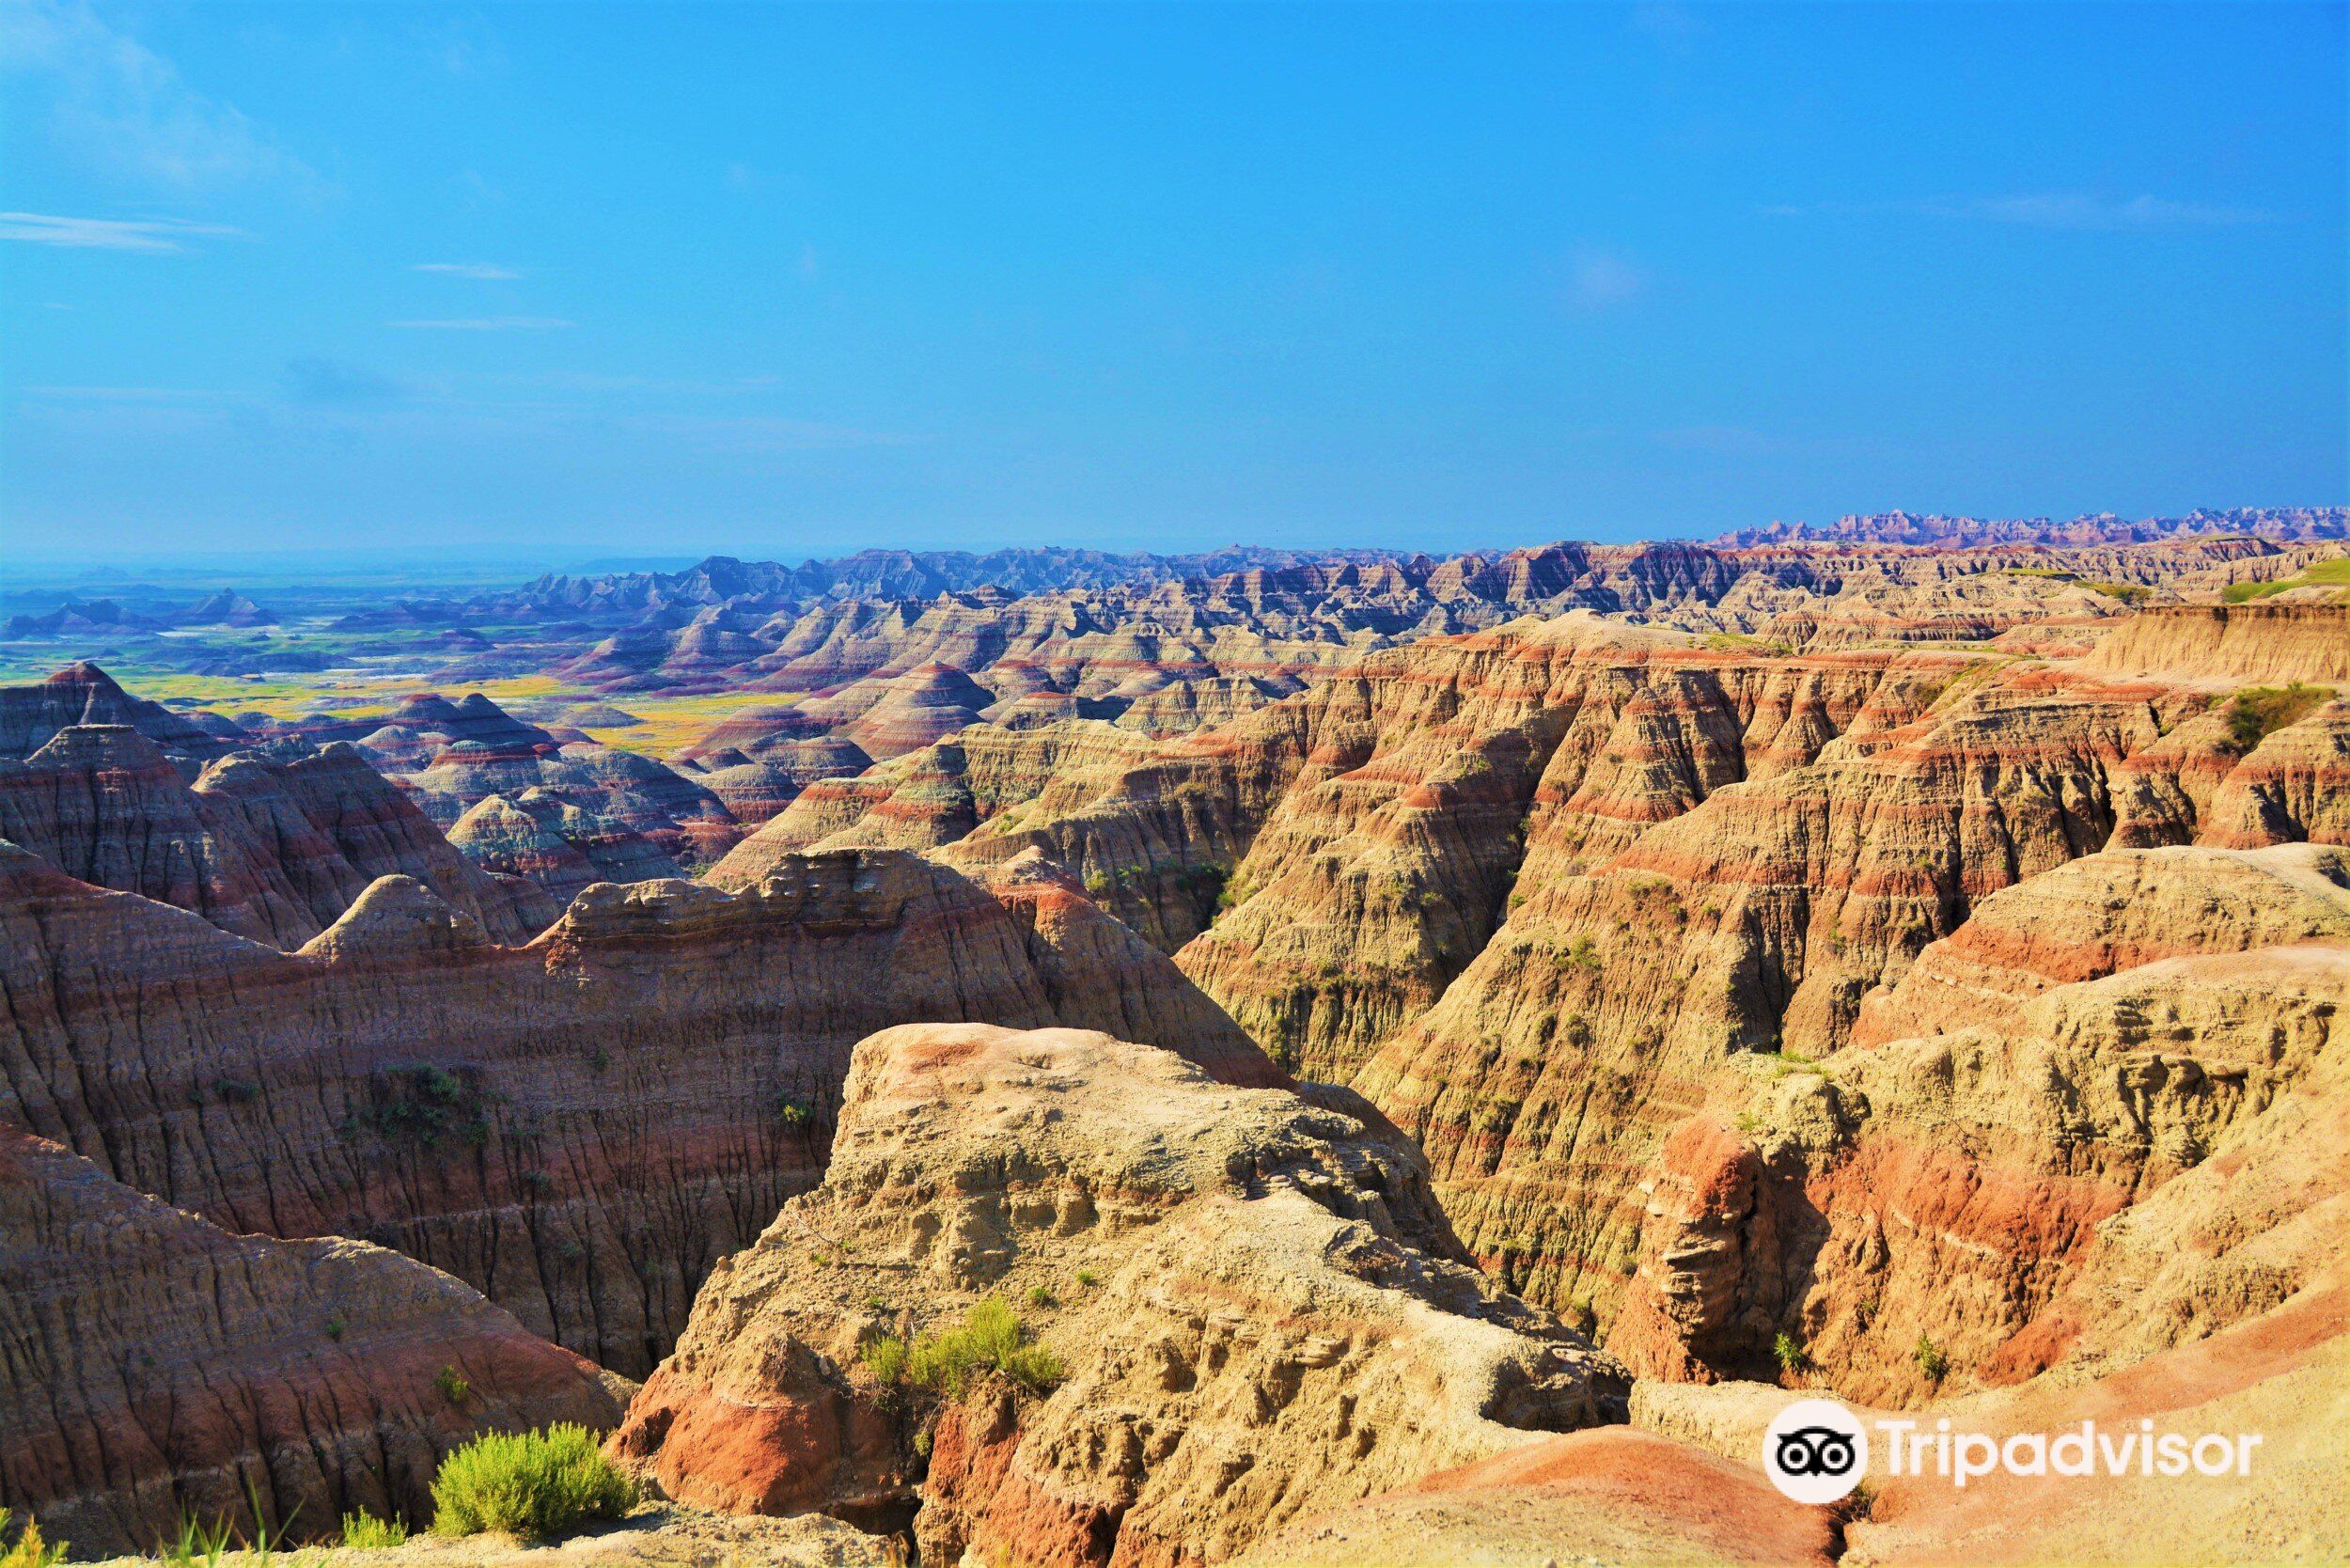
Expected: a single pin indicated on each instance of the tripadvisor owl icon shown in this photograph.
(1815, 1451)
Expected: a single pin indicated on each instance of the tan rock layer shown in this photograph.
(1251, 1293)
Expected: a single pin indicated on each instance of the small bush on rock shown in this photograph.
(990, 1340)
(885, 1357)
(531, 1484)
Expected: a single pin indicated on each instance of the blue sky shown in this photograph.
(786, 280)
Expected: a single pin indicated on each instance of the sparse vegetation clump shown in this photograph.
(1931, 1359)
(989, 1340)
(28, 1550)
(1235, 892)
(1788, 1352)
(2257, 713)
(534, 1485)
(367, 1532)
(197, 1543)
(2325, 574)
(884, 1358)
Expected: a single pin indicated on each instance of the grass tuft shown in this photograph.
(367, 1532)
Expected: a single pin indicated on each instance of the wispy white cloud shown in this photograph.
(485, 272)
(122, 109)
(489, 323)
(2069, 210)
(1598, 279)
(2074, 211)
(144, 234)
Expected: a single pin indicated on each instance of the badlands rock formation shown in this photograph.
(273, 852)
(1860, 984)
(1255, 1307)
(1537, 890)
(581, 1126)
(157, 1366)
(2112, 1123)
(2255, 643)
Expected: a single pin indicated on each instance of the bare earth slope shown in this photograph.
(158, 1366)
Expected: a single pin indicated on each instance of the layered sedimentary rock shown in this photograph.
(2101, 1117)
(627, 816)
(615, 791)
(2247, 643)
(542, 836)
(1150, 828)
(158, 1366)
(1253, 1302)
(580, 1127)
(81, 694)
(1395, 855)
(1643, 960)
(273, 851)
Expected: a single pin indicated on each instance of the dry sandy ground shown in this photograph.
(664, 1535)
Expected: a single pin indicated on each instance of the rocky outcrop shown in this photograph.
(1395, 855)
(273, 851)
(1646, 961)
(81, 694)
(580, 1126)
(157, 1367)
(1249, 1299)
(544, 838)
(2268, 643)
(2110, 1122)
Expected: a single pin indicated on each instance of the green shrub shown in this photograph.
(2257, 713)
(28, 1550)
(1086, 1278)
(885, 1357)
(454, 1385)
(989, 1340)
(1041, 1299)
(367, 1532)
(1931, 1360)
(536, 1485)
(1789, 1352)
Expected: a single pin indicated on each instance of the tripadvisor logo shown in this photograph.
(1816, 1451)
